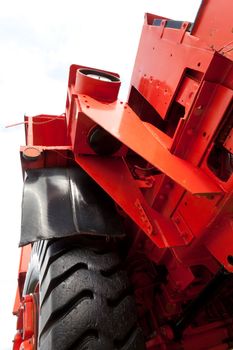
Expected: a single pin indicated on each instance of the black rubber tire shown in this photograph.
(86, 301)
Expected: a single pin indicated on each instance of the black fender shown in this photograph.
(62, 202)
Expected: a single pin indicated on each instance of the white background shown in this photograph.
(39, 40)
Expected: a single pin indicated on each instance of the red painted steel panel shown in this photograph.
(120, 121)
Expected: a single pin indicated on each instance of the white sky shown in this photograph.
(39, 40)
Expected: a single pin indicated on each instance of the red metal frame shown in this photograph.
(26, 336)
(178, 114)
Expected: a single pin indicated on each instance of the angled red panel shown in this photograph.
(120, 121)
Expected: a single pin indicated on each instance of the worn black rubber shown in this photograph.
(86, 301)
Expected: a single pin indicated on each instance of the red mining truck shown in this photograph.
(127, 211)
